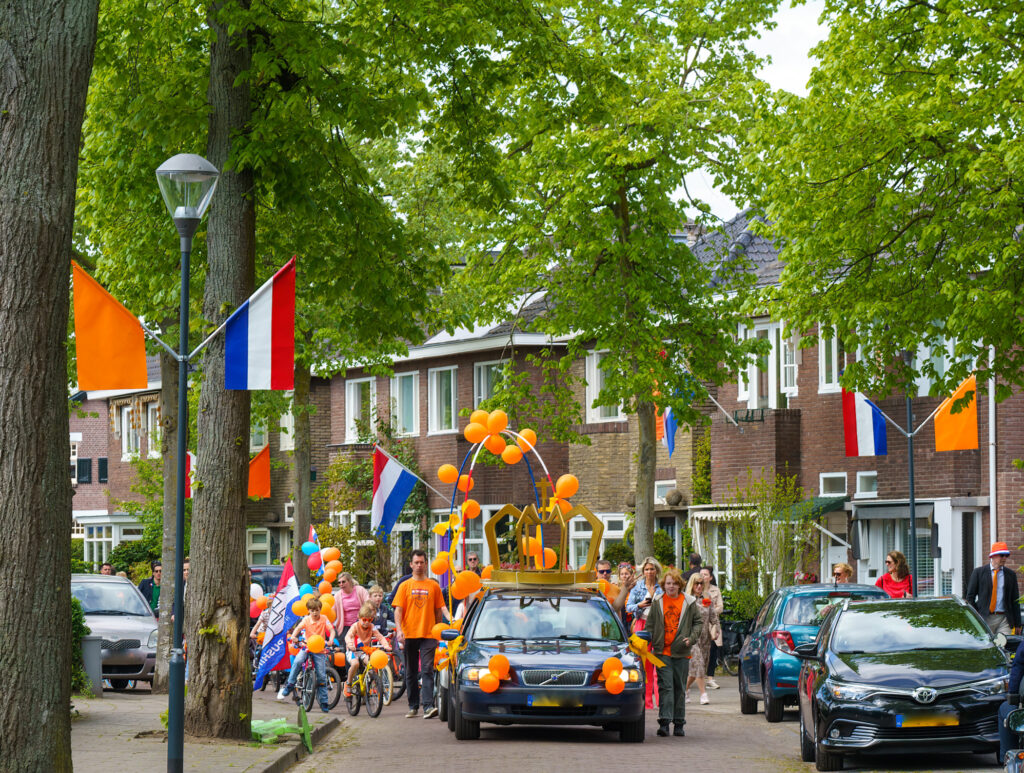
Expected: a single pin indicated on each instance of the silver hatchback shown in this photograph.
(117, 611)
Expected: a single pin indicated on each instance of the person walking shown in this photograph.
(348, 599)
(713, 592)
(150, 587)
(992, 591)
(674, 625)
(702, 646)
(896, 581)
(643, 595)
(418, 603)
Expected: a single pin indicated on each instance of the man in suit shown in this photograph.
(992, 590)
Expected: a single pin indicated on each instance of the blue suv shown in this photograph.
(789, 617)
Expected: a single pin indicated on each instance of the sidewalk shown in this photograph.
(122, 732)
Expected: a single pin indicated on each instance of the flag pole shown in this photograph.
(377, 447)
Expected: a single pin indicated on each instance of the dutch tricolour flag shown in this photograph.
(259, 341)
(668, 419)
(863, 426)
(281, 620)
(392, 484)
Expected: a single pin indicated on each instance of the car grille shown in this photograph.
(555, 711)
(554, 677)
(120, 645)
(867, 733)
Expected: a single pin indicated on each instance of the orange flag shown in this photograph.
(259, 474)
(109, 343)
(958, 431)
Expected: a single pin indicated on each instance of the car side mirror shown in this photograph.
(644, 635)
(808, 651)
(450, 634)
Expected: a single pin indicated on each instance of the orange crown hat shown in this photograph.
(999, 549)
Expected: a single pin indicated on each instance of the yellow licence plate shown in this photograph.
(927, 720)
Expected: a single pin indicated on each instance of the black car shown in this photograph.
(556, 641)
(900, 675)
(267, 576)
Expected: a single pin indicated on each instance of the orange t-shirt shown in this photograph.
(419, 600)
(610, 590)
(673, 613)
(321, 627)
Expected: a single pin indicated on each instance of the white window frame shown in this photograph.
(789, 372)
(825, 384)
(396, 407)
(74, 465)
(667, 486)
(594, 384)
(352, 390)
(258, 436)
(289, 512)
(129, 434)
(434, 403)
(749, 380)
(859, 492)
(822, 477)
(481, 390)
(251, 548)
(153, 430)
(742, 375)
(286, 425)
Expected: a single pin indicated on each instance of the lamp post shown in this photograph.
(187, 182)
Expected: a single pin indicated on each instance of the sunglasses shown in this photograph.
(889, 561)
(604, 571)
(366, 619)
(472, 559)
(838, 574)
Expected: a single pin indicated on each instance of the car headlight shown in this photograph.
(474, 674)
(846, 691)
(991, 686)
(631, 675)
(154, 636)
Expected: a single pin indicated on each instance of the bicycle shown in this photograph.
(732, 642)
(368, 683)
(306, 685)
(396, 667)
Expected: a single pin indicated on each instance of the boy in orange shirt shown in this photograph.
(313, 624)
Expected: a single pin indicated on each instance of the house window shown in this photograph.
(360, 399)
(832, 484)
(257, 436)
(153, 429)
(742, 384)
(596, 380)
(289, 512)
(474, 539)
(257, 546)
(661, 489)
(790, 356)
(441, 400)
(405, 404)
(101, 469)
(939, 356)
(74, 464)
(129, 433)
(867, 485)
(770, 379)
(287, 427)
(84, 470)
(486, 376)
(831, 360)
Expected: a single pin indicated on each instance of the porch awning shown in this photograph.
(875, 512)
(815, 507)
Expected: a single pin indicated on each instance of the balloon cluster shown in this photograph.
(497, 670)
(324, 563)
(611, 670)
(258, 600)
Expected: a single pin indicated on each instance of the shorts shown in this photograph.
(359, 655)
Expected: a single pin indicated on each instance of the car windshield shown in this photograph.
(811, 608)
(109, 598)
(938, 625)
(540, 617)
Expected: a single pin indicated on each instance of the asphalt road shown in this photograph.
(718, 738)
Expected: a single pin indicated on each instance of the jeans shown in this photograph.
(672, 690)
(419, 656)
(319, 669)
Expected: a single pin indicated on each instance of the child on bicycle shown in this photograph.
(313, 624)
(360, 637)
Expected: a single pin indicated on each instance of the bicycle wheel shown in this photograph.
(387, 681)
(374, 693)
(335, 686)
(354, 699)
(309, 689)
(730, 663)
(398, 676)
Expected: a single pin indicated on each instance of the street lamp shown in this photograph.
(187, 182)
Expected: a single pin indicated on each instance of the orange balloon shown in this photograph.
(470, 509)
(329, 613)
(567, 486)
(447, 473)
(527, 439)
(479, 417)
(435, 632)
(315, 643)
(439, 565)
(263, 602)
(511, 454)
(466, 483)
(330, 554)
(324, 587)
(498, 665)
(330, 575)
(614, 684)
(339, 658)
(474, 432)
(324, 601)
(458, 590)
(299, 608)
(485, 574)
(379, 660)
(563, 504)
(489, 682)
(550, 558)
(470, 581)
(533, 546)
(611, 666)
(293, 650)
(497, 421)
(495, 444)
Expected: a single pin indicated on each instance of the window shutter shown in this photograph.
(101, 469)
(84, 470)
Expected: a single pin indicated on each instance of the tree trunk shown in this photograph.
(45, 60)
(643, 523)
(219, 700)
(169, 461)
(302, 460)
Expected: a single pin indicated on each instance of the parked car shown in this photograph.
(788, 618)
(556, 641)
(267, 576)
(900, 675)
(116, 610)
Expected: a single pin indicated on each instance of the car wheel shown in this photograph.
(465, 729)
(633, 732)
(442, 703)
(806, 744)
(120, 684)
(825, 759)
(773, 707)
(748, 705)
(451, 711)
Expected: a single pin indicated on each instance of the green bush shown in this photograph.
(79, 679)
(78, 564)
(664, 548)
(618, 552)
(742, 603)
(127, 554)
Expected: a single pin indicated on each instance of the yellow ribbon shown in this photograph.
(639, 648)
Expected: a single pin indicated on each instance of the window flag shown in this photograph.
(259, 474)
(392, 484)
(666, 430)
(958, 431)
(259, 340)
(863, 426)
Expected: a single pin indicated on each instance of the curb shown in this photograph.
(296, 751)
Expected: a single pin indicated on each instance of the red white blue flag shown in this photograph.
(863, 426)
(392, 484)
(259, 339)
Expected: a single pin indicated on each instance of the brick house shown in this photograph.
(790, 417)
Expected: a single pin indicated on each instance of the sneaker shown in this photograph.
(430, 713)
(679, 731)
(663, 731)
(713, 684)
(704, 700)
(411, 713)
(281, 694)
(347, 691)
(688, 694)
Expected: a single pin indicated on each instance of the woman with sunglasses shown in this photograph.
(701, 650)
(360, 637)
(349, 598)
(896, 580)
(842, 572)
(643, 595)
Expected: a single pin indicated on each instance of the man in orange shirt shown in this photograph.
(313, 624)
(418, 602)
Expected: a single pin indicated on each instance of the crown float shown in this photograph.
(539, 563)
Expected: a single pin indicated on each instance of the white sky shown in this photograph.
(788, 45)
